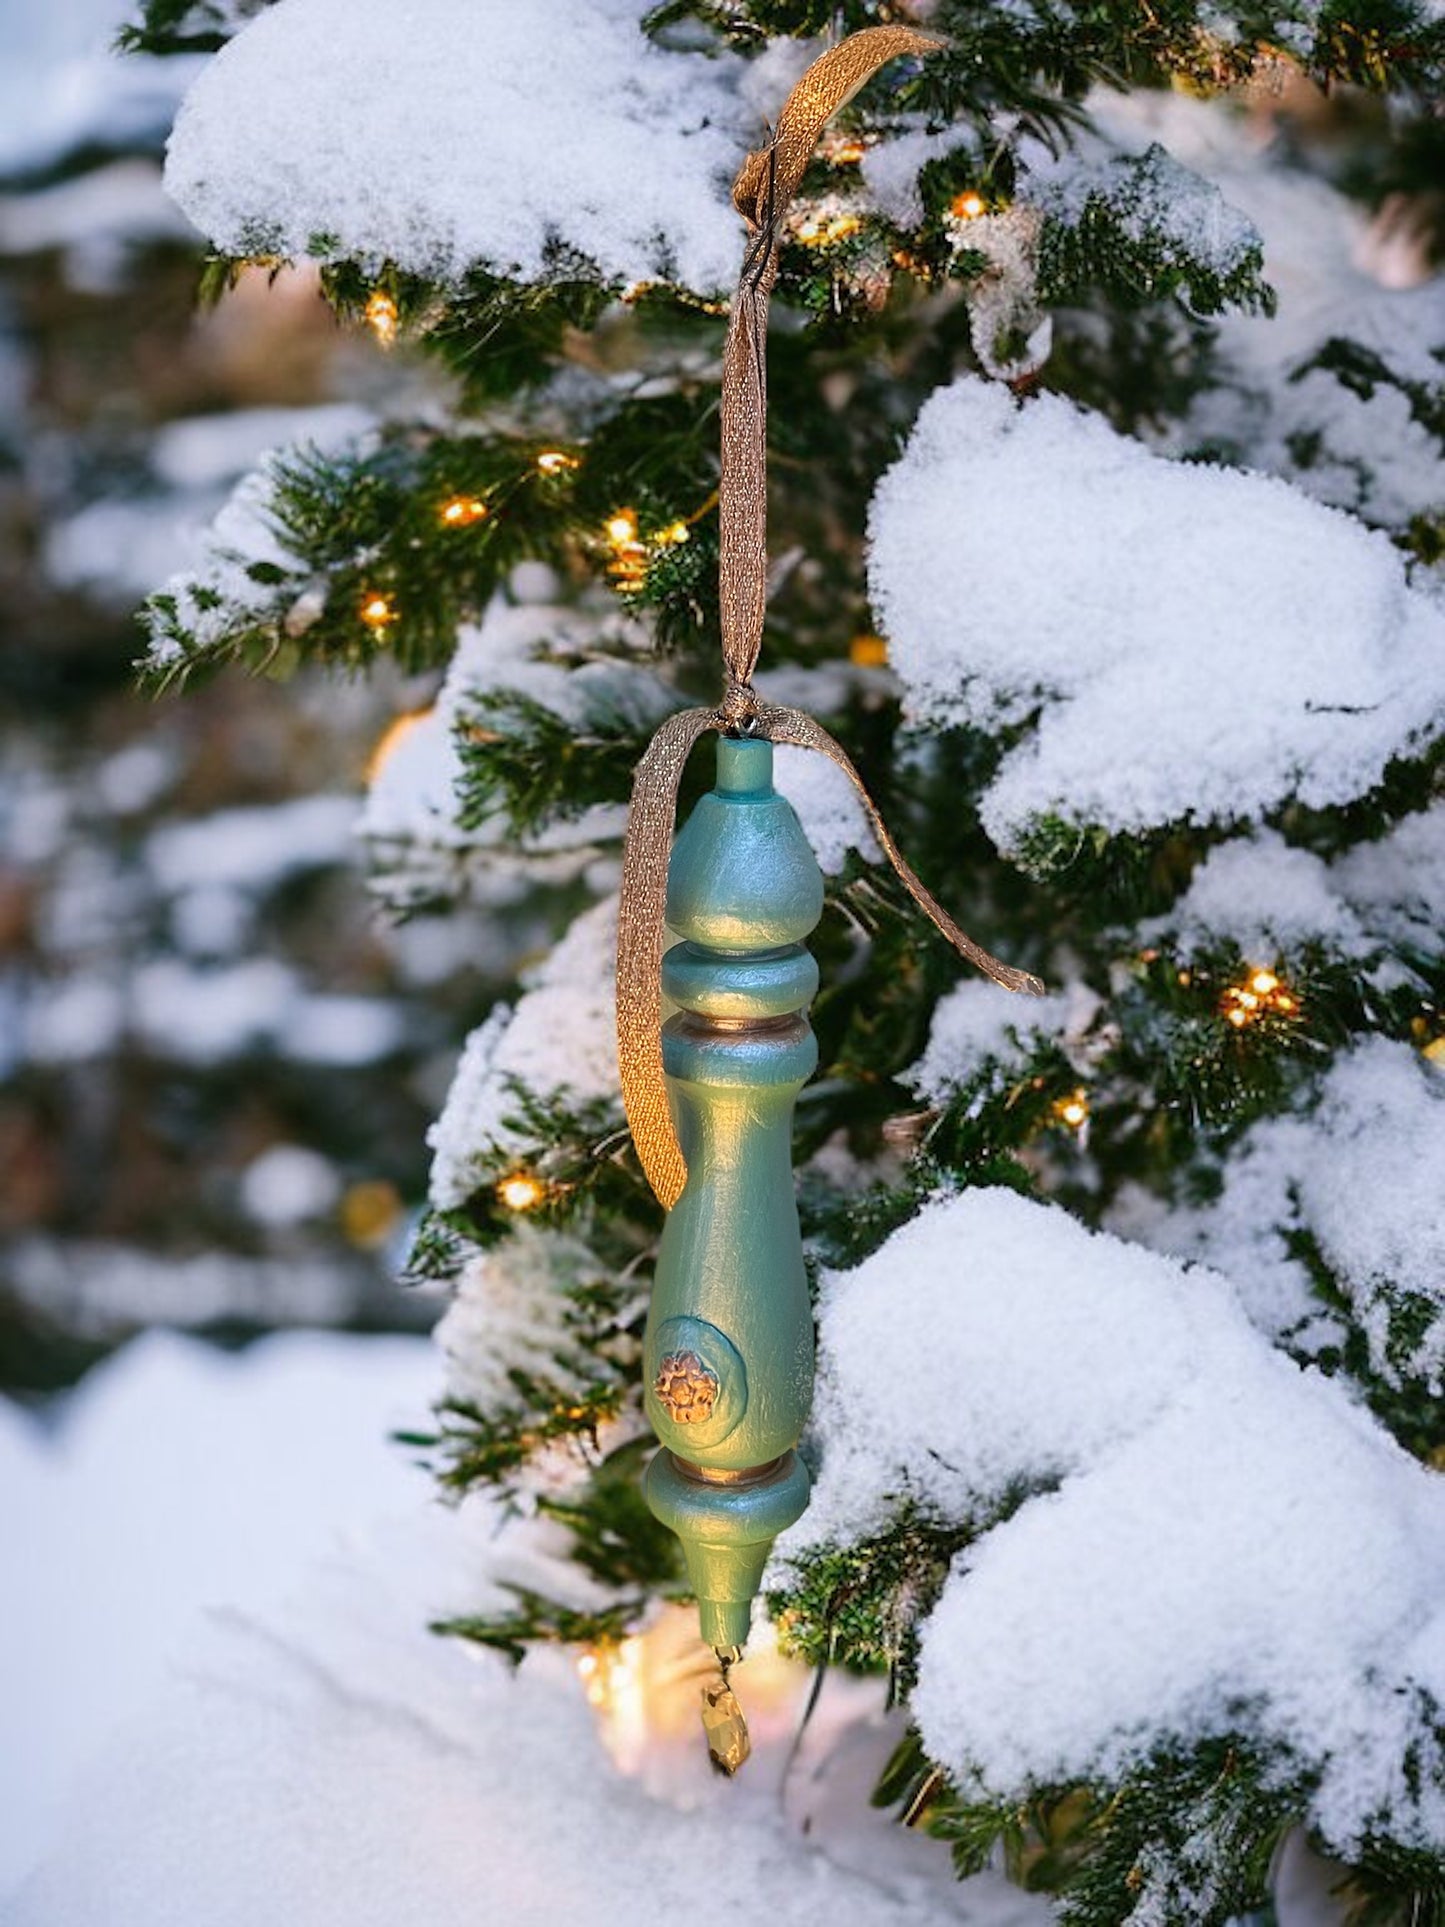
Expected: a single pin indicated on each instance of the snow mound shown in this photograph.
(174, 1480)
(460, 133)
(1397, 884)
(314, 1754)
(1272, 899)
(1356, 1178)
(979, 1023)
(1265, 896)
(833, 819)
(559, 1041)
(414, 797)
(1211, 1559)
(1203, 645)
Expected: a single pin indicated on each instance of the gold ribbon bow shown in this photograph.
(761, 194)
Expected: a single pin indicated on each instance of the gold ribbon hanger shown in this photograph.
(764, 188)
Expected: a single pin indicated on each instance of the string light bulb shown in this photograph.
(462, 510)
(969, 205)
(822, 230)
(381, 316)
(868, 652)
(1073, 1109)
(378, 612)
(1262, 994)
(622, 527)
(521, 1191)
(556, 461)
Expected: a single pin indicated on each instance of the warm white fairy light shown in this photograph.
(462, 510)
(868, 652)
(382, 317)
(378, 611)
(822, 230)
(555, 461)
(1262, 994)
(521, 1191)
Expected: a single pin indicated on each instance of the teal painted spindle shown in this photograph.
(729, 1344)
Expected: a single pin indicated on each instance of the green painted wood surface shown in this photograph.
(743, 890)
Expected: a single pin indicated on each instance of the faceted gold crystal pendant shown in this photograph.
(728, 1744)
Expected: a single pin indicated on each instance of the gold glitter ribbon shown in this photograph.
(761, 194)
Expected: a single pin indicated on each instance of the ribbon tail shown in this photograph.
(797, 727)
(641, 913)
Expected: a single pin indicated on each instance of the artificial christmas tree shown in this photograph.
(1151, 1550)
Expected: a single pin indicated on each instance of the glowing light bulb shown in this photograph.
(969, 205)
(521, 1191)
(370, 1212)
(818, 230)
(674, 533)
(622, 527)
(1073, 1110)
(1262, 994)
(462, 510)
(378, 612)
(381, 317)
(555, 461)
(868, 652)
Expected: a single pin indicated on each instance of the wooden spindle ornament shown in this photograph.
(729, 1343)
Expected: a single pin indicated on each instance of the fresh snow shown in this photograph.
(1204, 644)
(176, 1480)
(268, 1730)
(1375, 900)
(510, 1312)
(517, 649)
(1357, 1175)
(1266, 897)
(454, 134)
(559, 1041)
(1397, 884)
(827, 806)
(1150, 195)
(980, 1023)
(891, 169)
(1206, 1555)
(1339, 273)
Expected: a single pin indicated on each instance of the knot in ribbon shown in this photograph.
(765, 186)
